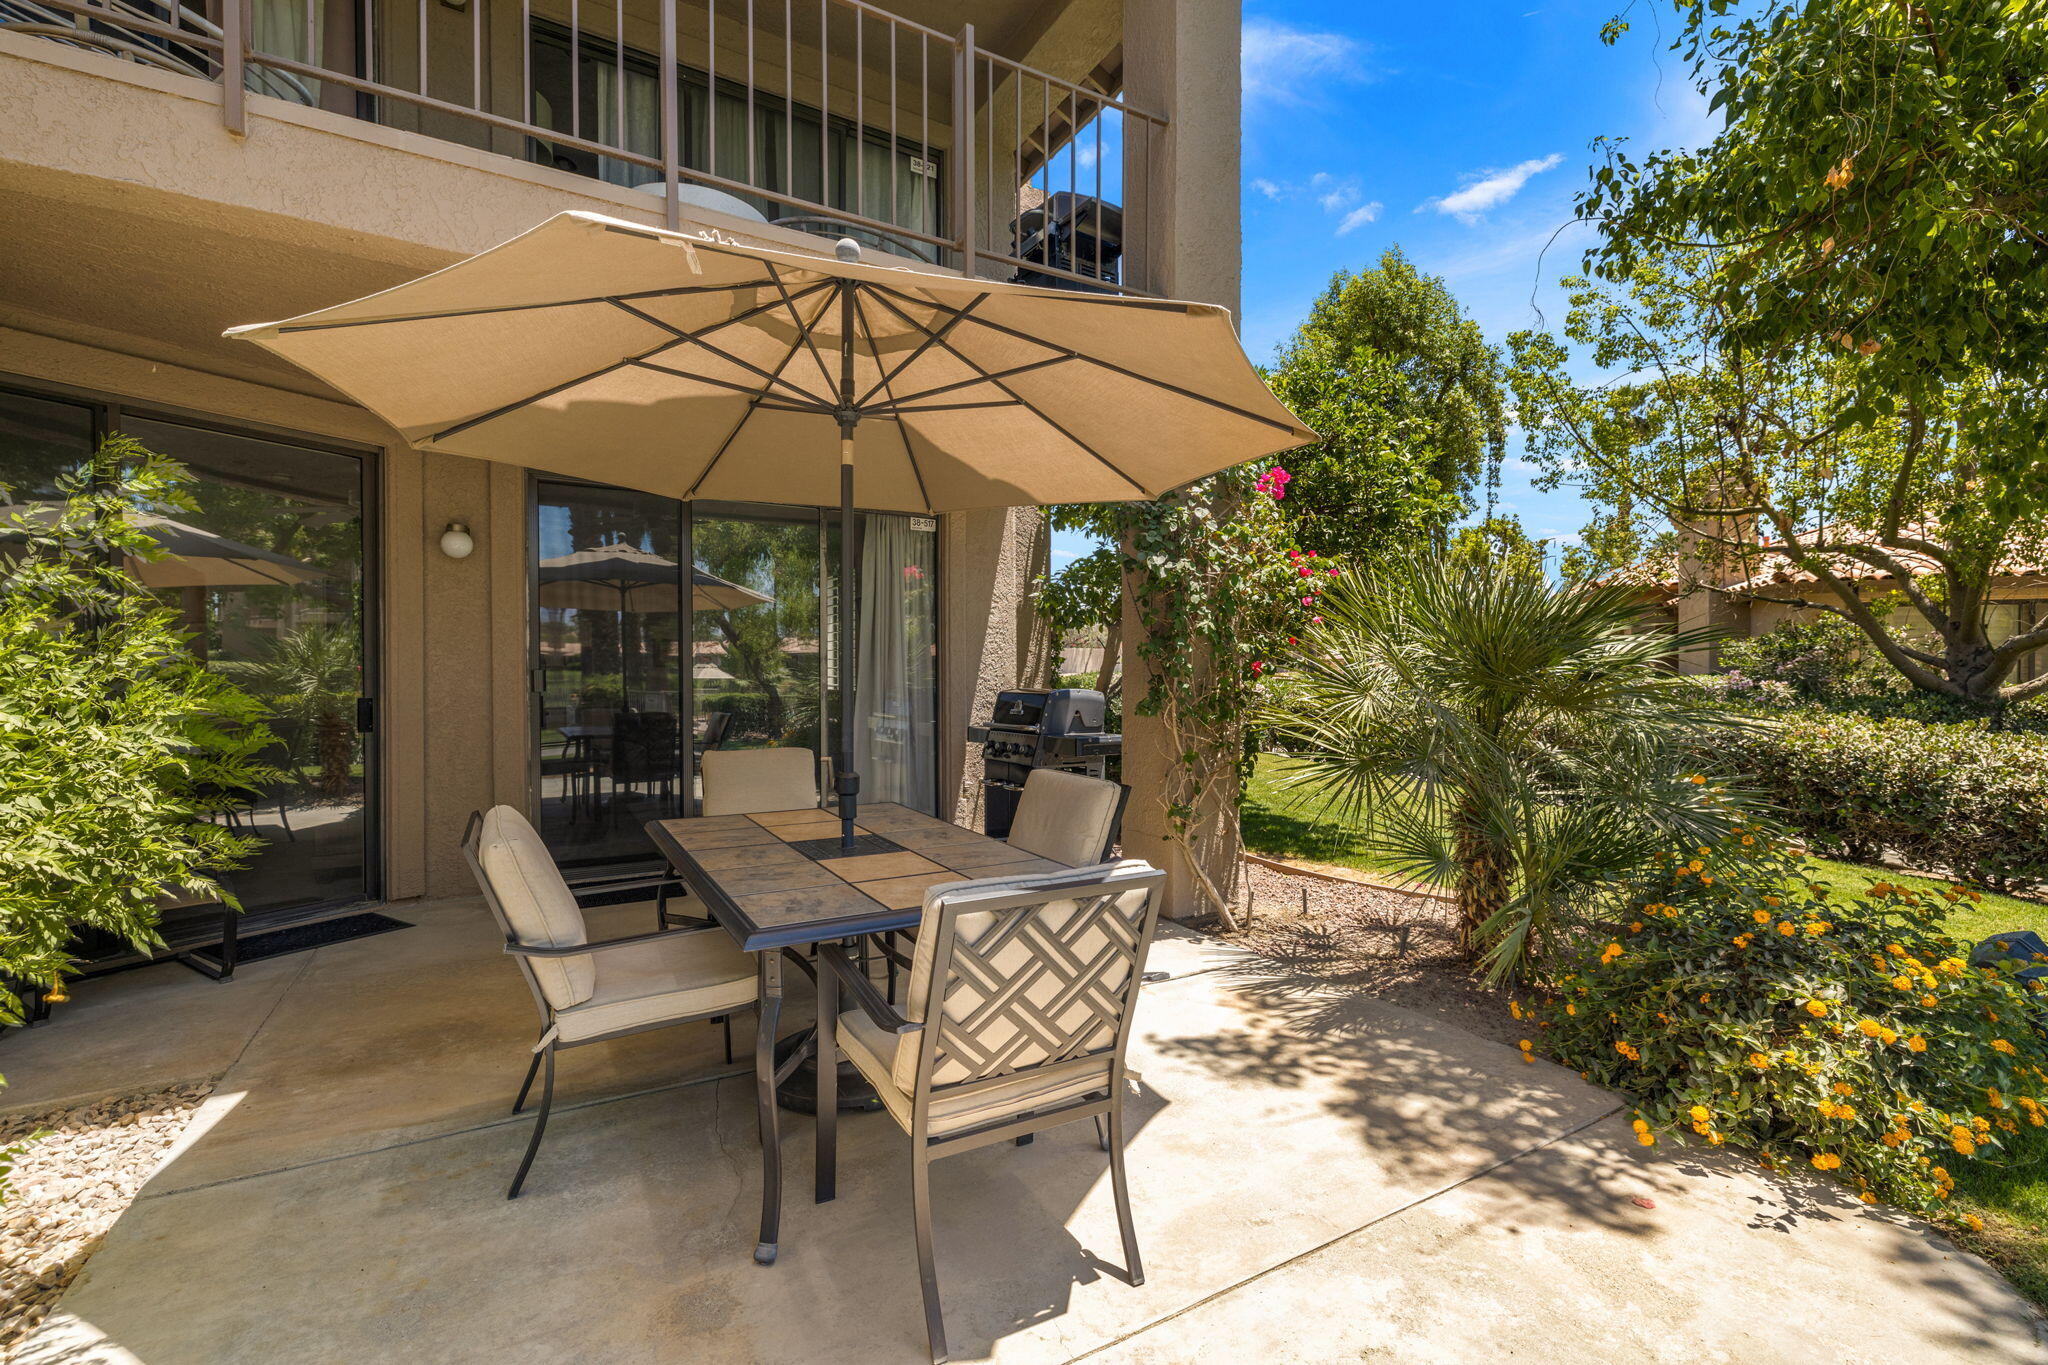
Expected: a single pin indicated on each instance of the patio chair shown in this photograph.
(1067, 817)
(747, 781)
(592, 992)
(1035, 979)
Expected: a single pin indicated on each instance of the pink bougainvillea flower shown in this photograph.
(1305, 571)
(1331, 572)
(1317, 619)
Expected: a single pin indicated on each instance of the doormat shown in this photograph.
(301, 938)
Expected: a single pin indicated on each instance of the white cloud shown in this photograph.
(1360, 216)
(1281, 64)
(1336, 201)
(1267, 188)
(1489, 191)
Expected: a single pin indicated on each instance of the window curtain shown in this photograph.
(278, 27)
(642, 131)
(895, 739)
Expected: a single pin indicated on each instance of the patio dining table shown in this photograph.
(782, 882)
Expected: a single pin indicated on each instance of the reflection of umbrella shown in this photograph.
(698, 368)
(621, 577)
(193, 558)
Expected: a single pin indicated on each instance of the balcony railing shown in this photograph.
(830, 116)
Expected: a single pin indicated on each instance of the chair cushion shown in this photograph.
(1065, 816)
(970, 925)
(878, 1054)
(664, 979)
(537, 904)
(747, 781)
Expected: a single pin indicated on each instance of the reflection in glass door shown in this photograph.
(755, 659)
(268, 572)
(608, 670)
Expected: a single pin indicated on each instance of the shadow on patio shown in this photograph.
(342, 1195)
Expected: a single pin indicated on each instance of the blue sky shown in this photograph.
(1459, 130)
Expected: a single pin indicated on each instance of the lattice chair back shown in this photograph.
(1026, 988)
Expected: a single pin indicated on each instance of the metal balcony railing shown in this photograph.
(830, 116)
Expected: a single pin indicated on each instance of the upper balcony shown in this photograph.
(827, 116)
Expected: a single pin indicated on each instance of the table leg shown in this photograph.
(827, 1062)
(769, 966)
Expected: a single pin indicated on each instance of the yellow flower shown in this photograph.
(1826, 1161)
(1647, 1139)
(1694, 866)
(1964, 1146)
(1760, 916)
(1715, 1136)
(1697, 780)
(1609, 953)
(1741, 940)
(1514, 1009)
(1869, 1027)
(1699, 1113)
(1867, 1197)
(2000, 1045)
(1787, 928)
(1895, 949)
(1916, 1044)
(1817, 1008)
(1525, 1045)
(1640, 1125)
(1929, 1001)
(1844, 1088)
(1818, 927)
(1887, 1036)
(1773, 900)
(1570, 1008)
(1627, 1050)
(1760, 1061)
(1973, 1222)
(1903, 983)
(1826, 1108)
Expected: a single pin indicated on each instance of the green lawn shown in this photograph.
(2011, 1198)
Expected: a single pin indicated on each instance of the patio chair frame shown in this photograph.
(550, 1042)
(1099, 898)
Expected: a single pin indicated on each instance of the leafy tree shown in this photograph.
(1519, 741)
(310, 676)
(1409, 400)
(1743, 449)
(1880, 182)
(1086, 593)
(116, 744)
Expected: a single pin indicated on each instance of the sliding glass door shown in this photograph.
(268, 571)
(640, 668)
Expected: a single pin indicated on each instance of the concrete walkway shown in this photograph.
(1316, 1176)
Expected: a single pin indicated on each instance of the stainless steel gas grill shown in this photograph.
(1031, 728)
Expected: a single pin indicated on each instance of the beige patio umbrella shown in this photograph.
(691, 366)
(621, 577)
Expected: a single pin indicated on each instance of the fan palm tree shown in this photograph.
(1524, 743)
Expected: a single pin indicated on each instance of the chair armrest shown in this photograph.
(629, 884)
(578, 949)
(857, 985)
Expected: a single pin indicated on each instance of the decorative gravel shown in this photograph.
(1396, 946)
(69, 1185)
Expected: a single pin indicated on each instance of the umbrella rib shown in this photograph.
(931, 339)
(868, 331)
(598, 373)
(1029, 407)
(752, 407)
(677, 292)
(1126, 372)
(727, 384)
(697, 339)
(803, 329)
(895, 402)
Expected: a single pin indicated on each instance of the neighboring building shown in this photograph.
(166, 173)
(1762, 589)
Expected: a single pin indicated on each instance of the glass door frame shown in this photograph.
(825, 518)
(107, 413)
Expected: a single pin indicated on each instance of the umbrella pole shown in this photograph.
(849, 780)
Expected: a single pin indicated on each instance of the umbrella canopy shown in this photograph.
(691, 366)
(621, 577)
(193, 558)
(701, 369)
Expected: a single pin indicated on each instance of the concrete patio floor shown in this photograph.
(1316, 1176)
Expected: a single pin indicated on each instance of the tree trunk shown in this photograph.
(1112, 645)
(1482, 885)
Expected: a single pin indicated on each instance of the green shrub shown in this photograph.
(1815, 660)
(1741, 1004)
(1955, 797)
(116, 745)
